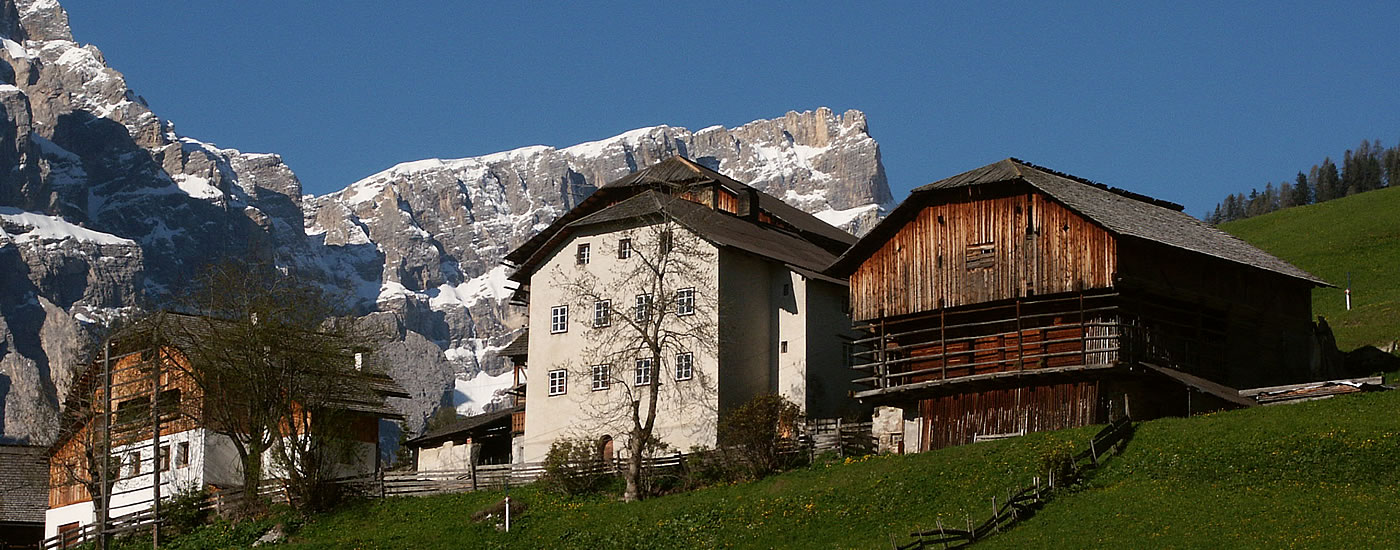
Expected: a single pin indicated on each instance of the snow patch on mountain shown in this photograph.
(39, 227)
(472, 395)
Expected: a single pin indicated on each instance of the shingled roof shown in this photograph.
(466, 426)
(803, 242)
(1120, 212)
(24, 483)
(718, 228)
(678, 173)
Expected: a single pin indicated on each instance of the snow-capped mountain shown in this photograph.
(105, 207)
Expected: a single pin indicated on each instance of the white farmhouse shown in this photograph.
(728, 274)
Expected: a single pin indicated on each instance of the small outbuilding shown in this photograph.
(469, 442)
(24, 496)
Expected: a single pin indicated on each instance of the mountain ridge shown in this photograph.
(107, 208)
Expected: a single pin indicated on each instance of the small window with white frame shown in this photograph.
(602, 377)
(624, 249)
(558, 319)
(182, 454)
(642, 308)
(163, 460)
(685, 366)
(602, 313)
(643, 374)
(583, 253)
(685, 301)
(558, 381)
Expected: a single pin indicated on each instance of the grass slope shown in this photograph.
(1320, 474)
(1360, 235)
(1324, 474)
(847, 504)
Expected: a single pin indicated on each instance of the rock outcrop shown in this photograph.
(105, 208)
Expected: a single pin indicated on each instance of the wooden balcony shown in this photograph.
(1028, 337)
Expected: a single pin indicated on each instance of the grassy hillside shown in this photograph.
(1325, 474)
(1359, 234)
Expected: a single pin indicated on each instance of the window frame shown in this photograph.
(643, 374)
(558, 319)
(182, 454)
(602, 313)
(563, 382)
(685, 297)
(583, 254)
(624, 248)
(602, 376)
(641, 308)
(689, 366)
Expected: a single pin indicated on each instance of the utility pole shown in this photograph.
(104, 496)
(155, 447)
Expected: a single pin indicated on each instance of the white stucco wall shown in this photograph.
(131, 494)
(827, 333)
(686, 413)
(448, 456)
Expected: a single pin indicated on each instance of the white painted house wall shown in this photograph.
(756, 303)
(683, 420)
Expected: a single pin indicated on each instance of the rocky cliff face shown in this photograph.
(104, 207)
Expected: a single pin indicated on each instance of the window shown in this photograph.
(557, 382)
(601, 376)
(643, 372)
(666, 242)
(642, 308)
(782, 346)
(133, 464)
(602, 313)
(582, 257)
(182, 454)
(685, 366)
(981, 255)
(685, 301)
(624, 249)
(164, 458)
(558, 319)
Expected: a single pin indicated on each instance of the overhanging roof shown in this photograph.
(1120, 212)
(680, 173)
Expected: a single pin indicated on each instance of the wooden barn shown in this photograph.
(1013, 298)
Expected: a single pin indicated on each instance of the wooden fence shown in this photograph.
(1021, 504)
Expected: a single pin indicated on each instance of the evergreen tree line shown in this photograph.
(1368, 167)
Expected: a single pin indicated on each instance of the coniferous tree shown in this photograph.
(1329, 182)
(1302, 192)
(1390, 163)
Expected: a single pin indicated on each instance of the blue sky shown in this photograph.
(1179, 101)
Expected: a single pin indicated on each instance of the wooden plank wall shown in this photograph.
(1262, 321)
(955, 419)
(1035, 247)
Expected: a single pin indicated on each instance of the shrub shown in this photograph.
(572, 467)
(753, 435)
(183, 512)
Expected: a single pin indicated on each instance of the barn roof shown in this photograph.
(24, 482)
(678, 173)
(1120, 212)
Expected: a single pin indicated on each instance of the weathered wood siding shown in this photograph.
(1260, 322)
(955, 419)
(980, 247)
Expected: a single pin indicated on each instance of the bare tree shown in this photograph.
(654, 310)
(275, 367)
